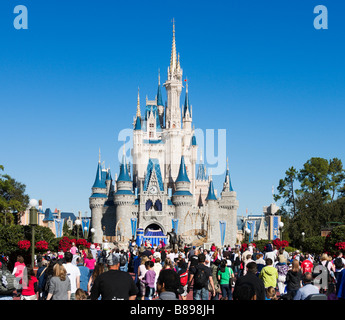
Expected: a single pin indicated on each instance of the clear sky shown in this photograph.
(259, 69)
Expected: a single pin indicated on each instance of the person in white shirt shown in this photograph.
(73, 274)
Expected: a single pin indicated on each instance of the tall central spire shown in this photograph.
(173, 60)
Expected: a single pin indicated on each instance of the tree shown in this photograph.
(316, 202)
(13, 199)
(286, 190)
(336, 176)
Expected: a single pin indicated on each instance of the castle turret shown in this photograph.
(228, 208)
(96, 201)
(182, 197)
(123, 199)
(212, 210)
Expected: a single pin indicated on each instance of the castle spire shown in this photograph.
(173, 62)
(138, 105)
(211, 195)
(159, 92)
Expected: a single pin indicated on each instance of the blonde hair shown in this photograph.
(144, 259)
(324, 256)
(60, 271)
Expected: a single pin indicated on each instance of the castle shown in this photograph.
(166, 187)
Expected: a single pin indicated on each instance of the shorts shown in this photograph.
(184, 293)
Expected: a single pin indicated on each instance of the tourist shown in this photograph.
(168, 284)
(307, 289)
(271, 294)
(29, 285)
(8, 281)
(73, 273)
(141, 273)
(183, 274)
(269, 274)
(340, 285)
(84, 274)
(202, 276)
(339, 263)
(260, 262)
(114, 284)
(253, 281)
(248, 258)
(99, 269)
(293, 279)
(282, 269)
(18, 270)
(41, 276)
(90, 263)
(306, 265)
(80, 294)
(245, 292)
(224, 276)
(149, 280)
(59, 284)
(215, 268)
(157, 267)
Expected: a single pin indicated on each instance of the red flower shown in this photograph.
(42, 245)
(24, 244)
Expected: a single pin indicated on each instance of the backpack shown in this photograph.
(123, 260)
(184, 278)
(338, 263)
(200, 278)
(7, 282)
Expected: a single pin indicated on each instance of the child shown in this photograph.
(80, 294)
(149, 280)
(271, 294)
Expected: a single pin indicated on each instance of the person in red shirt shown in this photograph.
(307, 265)
(29, 284)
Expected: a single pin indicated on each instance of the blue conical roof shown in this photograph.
(137, 124)
(159, 96)
(182, 174)
(109, 175)
(99, 182)
(227, 175)
(211, 195)
(186, 105)
(124, 174)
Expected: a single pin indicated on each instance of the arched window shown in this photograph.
(149, 205)
(158, 205)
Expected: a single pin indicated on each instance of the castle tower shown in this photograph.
(182, 197)
(228, 209)
(212, 208)
(123, 200)
(96, 202)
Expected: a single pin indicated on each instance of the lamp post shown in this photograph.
(281, 226)
(77, 222)
(33, 222)
(92, 233)
(303, 234)
(247, 231)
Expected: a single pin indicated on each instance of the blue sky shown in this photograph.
(259, 69)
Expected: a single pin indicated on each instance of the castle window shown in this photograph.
(158, 205)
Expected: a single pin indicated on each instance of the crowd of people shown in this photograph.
(158, 273)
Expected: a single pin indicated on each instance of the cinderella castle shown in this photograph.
(166, 187)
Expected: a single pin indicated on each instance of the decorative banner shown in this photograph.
(133, 226)
(274, 227)
(175, 224)
(222, 225)
(251, 227)
(58, 227)
(85, 223)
